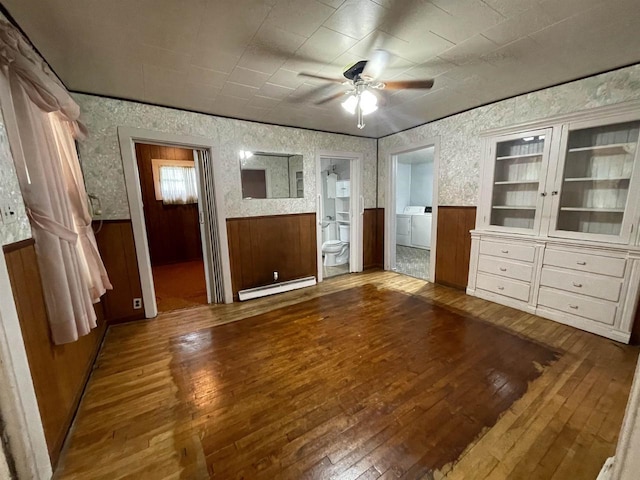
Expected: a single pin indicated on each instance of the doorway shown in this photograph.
(412, 212)
(170, 195)
(210, 208)
(339, 211)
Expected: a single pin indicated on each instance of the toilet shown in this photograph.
(336, 252)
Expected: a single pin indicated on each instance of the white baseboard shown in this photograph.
(276, 288)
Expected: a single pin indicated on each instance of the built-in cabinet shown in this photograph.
(343, 202)
(556, 227)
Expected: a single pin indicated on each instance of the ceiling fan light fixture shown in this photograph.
(368, 102)
(350, 104)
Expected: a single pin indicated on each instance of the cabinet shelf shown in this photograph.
(609, 149)
(596, 179)
(509, 207)
(592, 209)
(343, 213)
(517, 182)
(525, 155)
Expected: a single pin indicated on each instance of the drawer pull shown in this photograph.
(581, 263)
(504, 251)
(578, 285)
(500, 288)
(575, 307)
(503, 269)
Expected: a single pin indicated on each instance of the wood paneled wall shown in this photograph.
(259, 246)
(173, 230)
(117, 248)
(59, 372)
(373, 238)
(454, 245)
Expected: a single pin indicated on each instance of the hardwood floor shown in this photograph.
(373, 375)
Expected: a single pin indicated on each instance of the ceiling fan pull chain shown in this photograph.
(360, 116)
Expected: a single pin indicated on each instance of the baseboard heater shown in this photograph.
(279, 287)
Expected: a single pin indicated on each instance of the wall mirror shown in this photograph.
(271, 175)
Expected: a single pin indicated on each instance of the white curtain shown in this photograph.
(178, 185)
(41, 120)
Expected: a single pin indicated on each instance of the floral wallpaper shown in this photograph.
(460, 144)
(10, 194)
(103, 171)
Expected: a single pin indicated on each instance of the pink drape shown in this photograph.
(93, 268)
(52, 187)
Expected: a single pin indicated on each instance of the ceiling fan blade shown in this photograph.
(331, 98)
(408, 84)
(320, 77)
(312, 94)
(377, 63)
(382, 96)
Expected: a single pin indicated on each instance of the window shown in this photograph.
(175, 181)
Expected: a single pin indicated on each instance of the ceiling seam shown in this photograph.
(510, 97)
(209, 114)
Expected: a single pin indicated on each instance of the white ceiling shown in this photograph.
(240, 58)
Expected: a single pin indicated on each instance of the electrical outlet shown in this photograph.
(275, 276)
(137, 303)
(8, 213)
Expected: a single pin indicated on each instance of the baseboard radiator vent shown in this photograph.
(279, 287)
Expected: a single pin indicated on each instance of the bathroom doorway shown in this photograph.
(339, 213)
(411, 212)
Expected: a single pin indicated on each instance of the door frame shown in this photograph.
(128, 137)
(390, 202)
(356, 204)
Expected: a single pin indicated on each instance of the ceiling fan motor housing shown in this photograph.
(355, 70)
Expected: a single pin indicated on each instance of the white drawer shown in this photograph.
(585, 262)
(511, 251)
(503, 286)
(598, 286)
(598, 310)
(505, 268)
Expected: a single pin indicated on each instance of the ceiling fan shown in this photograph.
(362, 81)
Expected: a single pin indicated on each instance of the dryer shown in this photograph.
(413, 227)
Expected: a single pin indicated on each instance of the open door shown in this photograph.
(209, 228)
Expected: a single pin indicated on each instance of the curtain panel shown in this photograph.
(42, 121)
(178, 185)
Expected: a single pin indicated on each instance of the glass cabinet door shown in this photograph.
(519, 168)
(596, 179)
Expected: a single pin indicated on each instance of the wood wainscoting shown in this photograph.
(118, 251)
(59, 372)
(373, 238)
(453, 247)
(259, 246)
(173, 231)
